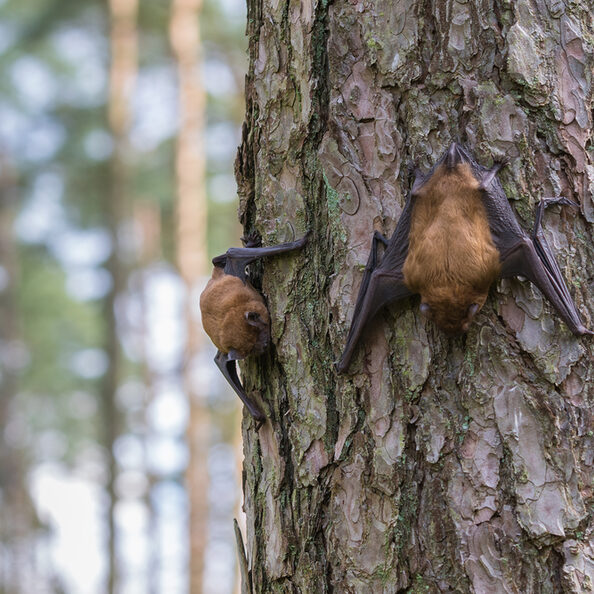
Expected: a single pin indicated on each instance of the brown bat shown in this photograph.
(457, 234)
(234, 314)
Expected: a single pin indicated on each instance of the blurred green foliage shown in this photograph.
(45, 98)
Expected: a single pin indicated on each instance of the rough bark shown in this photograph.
(438, 464)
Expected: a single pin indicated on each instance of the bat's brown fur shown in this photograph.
(452, 259)
(224, 304)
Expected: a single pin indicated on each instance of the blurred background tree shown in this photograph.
(94, 367)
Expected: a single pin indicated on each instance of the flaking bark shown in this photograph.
(438, 464)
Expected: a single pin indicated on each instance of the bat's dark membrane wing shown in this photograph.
(534, 259)
(226, 363)
(381, 290)
(235, 260)
(382, 283)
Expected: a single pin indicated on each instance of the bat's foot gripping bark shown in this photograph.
(235, 260)
(251, 240)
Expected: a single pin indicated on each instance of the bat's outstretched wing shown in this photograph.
(520, 253)
(533, 258)
(235, 260)
(382, 282)
(226, 363)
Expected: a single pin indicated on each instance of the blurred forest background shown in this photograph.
(119, 123)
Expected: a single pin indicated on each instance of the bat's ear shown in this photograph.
(453, 156)
(253, 318)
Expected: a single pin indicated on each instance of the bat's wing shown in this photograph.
(226, 363)
(521, 254)
(235, 260)
(534, 259)
(382, 283)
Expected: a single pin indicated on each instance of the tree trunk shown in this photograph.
(190, 169)
(437, 464)
(122, 74)
(18, 521)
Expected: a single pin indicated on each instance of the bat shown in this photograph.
(457, 235)
(234, 314)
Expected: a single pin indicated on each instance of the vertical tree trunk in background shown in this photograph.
(123, 67)
(437, 464)
(18, 521)
(190, 168)
(147, 218)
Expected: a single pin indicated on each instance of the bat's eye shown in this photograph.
(425, 310)
(253, 318)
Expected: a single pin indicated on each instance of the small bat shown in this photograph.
(234, 314)
(457, 234)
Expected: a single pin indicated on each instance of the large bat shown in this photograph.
(234, 314)
(457, 234)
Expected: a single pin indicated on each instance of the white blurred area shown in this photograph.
(152, 509)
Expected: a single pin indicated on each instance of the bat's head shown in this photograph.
(452, 316)
(256, 323)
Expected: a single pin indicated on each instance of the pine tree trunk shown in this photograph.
(191, 256)
(18, 520)
(122, 74)
(437, 464)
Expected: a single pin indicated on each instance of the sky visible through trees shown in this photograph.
(55, 244)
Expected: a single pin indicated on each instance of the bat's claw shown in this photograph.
(254, 410)
(251, 240)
